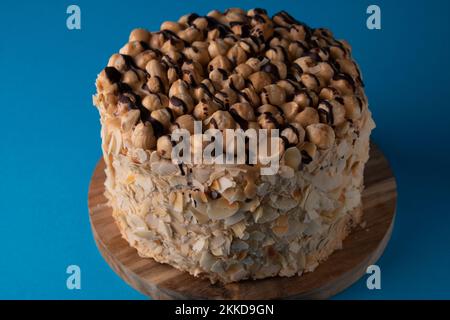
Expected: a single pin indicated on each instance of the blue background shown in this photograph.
(49, 134)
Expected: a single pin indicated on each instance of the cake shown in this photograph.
(231, 70)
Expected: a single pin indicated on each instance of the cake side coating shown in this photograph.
(235, 70)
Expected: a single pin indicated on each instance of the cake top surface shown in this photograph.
(232, 69)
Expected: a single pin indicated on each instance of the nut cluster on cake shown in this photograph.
(235, 69)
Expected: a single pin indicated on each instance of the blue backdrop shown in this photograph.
(49, 134)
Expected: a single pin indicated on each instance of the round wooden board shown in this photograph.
(361, 248)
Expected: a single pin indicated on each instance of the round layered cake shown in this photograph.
(235, 70)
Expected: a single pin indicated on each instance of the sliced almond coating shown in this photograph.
(222, 184)
(206, 260)
(221, 209)
(200, 245)
(164, 168)
(136, 223)
(239, 229)
(178, 202)
(234, 194)
(251, 205)
(147, 235)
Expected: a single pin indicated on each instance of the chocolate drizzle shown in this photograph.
(241, 121)
(326, 116)
(113, 74)
(306, 158)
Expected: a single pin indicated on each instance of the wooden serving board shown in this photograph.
(362, 248)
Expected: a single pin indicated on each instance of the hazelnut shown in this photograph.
(244, 70)
(289, 87)
(305, 98)
(192, 72)
(292, 158)
(331, 112)
(142, 136)
(259, 80)
(181, 104)
(322, 135)
(175, 27)
(200, 23)
(305, 63)
(204, 109)
(254, 63)
(139, 35)
(164, 147)
(227, 96)
(185, 121)
(248, 45)
(172, 45)
(187, 19)
(237, 55)
(155, 101)
(338, 52)
(157, 39)
(172, 75)
(217, 47)
(349, 67)
(235, 81)
(221, 120)
(273, 94)
(118, 61)
(353, 107)
(328, 93)
(220, 62)
(308, 151)
(155, 69)
(243, 110)
(132, 78)
(290, 110)
(144, 57)
(276, 54)
(163, 116)
(323, 71)
(281, 40)
(290, 135)
(240, 29)
(127, 101)
(198, 143)
(253, 125)
(267, 121)
(155, 85)
(132, 48)
(296, 49)
(218, 77)
(319, 53)
(343, 83)
(197, 53)
(263, 31)
(235, 15)
(249, 95)
(298, 32)
(299, 131)
(179, 88)
(307, 117)
(280, 70)
(190, 34)
(204, 91)
(256, 11)
(310, 81)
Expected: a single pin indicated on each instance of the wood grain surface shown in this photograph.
(361, 248)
